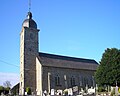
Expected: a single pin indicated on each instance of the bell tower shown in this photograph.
(29, 50)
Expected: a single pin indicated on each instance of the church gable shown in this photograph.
(67, 62)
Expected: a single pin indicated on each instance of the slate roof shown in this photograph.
(67, 62)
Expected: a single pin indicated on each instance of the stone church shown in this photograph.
(43, 71)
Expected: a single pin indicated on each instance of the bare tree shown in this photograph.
(7, 84)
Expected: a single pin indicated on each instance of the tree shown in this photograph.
(7, 84)
(28, 90)
(4, 90)
(108, 72)
(1, 89)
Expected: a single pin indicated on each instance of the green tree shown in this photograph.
(28, 90)
(108, 72)
(1, 89)
(6, 90)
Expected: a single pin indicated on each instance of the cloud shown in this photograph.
(12, 77)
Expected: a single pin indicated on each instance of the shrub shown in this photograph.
(101, 89)
(28, 90)
(113, 92)
(1, 89)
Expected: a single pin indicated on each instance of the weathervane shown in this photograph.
(29, 5)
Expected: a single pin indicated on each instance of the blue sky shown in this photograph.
(77, 28)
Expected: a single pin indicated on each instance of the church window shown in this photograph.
(21, 83)
(72, 80)
(57, 80)
(85, 82)
(93, 81)
(80, 81)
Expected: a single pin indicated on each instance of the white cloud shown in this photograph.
(12, 77)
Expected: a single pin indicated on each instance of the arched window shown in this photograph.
(85, 81)
(72, 81)
(57, 80)
(80, 81)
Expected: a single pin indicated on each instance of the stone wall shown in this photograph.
(81, 78)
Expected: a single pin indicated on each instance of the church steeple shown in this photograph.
(29, 50)
(29, 22)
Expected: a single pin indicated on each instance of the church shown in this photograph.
(46, 72)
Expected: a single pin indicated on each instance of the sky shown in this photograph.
(75, 28)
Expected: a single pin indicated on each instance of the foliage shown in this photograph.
(119, 89)
(7, 90)
(28, 90)
(1, 89)
(108, 71)
(4, 90)
(113, 92)
(65, 92)
(7, 84)
(101, 89)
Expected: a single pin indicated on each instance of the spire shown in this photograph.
(29, 15)
(29, 5)
(29, 22)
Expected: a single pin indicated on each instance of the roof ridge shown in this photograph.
(69, 58)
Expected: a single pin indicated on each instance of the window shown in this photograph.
(21, 76)
(21, 84)
(80, 81)
(72, 80)
(57, 80)
(85, 81)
